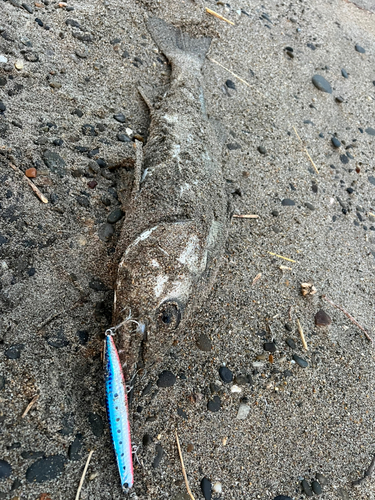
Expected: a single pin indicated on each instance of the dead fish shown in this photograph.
(176, 220)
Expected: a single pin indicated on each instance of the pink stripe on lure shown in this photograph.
(118, 413)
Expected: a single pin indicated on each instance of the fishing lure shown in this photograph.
(118, 412)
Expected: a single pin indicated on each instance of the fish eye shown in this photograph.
(169, 314)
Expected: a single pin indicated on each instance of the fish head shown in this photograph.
(157, 277)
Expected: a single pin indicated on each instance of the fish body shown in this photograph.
(176, 222)
(117, 411)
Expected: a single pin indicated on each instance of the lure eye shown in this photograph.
(169, 315)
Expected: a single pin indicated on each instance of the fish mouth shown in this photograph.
(169, 314)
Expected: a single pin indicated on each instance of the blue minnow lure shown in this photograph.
(118, 413)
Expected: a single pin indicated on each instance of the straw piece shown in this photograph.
(249, 216)
(281, 257)
(231, 72)
(29, 406)
(313, 164)
(302, 335)
(257, 277)
(209, 11)
(31, 184)
(183, 469)
(83, 475)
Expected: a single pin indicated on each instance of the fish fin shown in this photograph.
(178, 46)
(151, 94)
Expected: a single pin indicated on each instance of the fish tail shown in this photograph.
(178, 47)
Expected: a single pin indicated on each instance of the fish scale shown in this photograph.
(118, 414)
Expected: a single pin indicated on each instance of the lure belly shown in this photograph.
(118, 414)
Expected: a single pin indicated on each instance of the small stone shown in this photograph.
(269, 346)
(344, 159)
(27, 8)
(206, 488)
(146, 440)
(83, 336)
(300, 361)
(214, 404)
(317, 489)
(18, 64)
(115, 216)
(233, 146)
(344, 73)
(287, 202)
(204, 343)
(310, 206)
(371, 180)
(182, 413)
(322, 479)
(14, 351)
(275, 213)
(241, 380)
(230, 84)
(262, 150)
(54, 162)
(83, 201)
(322, 318)
(225, 374)
(2, 106)
(291, 343)
(2, 382)
(370, 131)
(92, 184)
(120, 117)
(57, 339)
(89, 130)
(288, 327)
(96, 424)
(75, 449)
(290, 54)
(16, 484)
(217, 488)
(306, 488)
(5, 469)
(106, 231)
(45, 469)
(166, 379)
(243, 411)
(77, 112)
(32, 455)
(321, 84)
(339, 99)
(311, 46)
(159, 456)
(350, 190)
(123, 137)
(282, 497)
(359, 49)
(31, 173)
(335, 142)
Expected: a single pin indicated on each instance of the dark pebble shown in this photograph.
(241, 380)
(350, 190)
(291, 343)
(317, 489)
(2, 106)
(75, 449)
(5, 469)
(96, 424)
(321, 84)
(225, 374)
(16, 484)
(349, 155)
(301, 362)
(206, 488)
(322, 318)
(288, 327)
(83, 201)
(269, 346)
(3, 81)
(14, 351)
(339, 99)
(31, 57)
(105, 232)
(344, 73)
(321, 135)
(123, 138)
(287, 202)
(306, 488)
(3, 240)
(45, 469)
(166, 379)
(230, 84)
(82, 149)
(77, 112)
(309, 206)
(275, 213)
(57, 339)
(120, 117)
(262, 150)
(159, 456)
(89, 130)
(322, 479)
(282, 497)
(147, 389)
(38, 21)
(2, 382)
(32, 455)
(233, 146)
(204, 343)
(146, 440)
(371, 180)
(344, 159)
(359, 49)
(335, 142)
(92, 184)
(289, 49)
(290, 54)
(214, 404)
(83, 336)
(54, 162)
(28, 8)
(115, 216)
(58, 142)
(311, 46)
(370, 131)
(182, 413)
(287, 373)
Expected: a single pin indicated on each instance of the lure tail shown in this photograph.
(118, 413)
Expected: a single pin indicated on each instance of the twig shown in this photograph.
(183, 469)
(84, 474)
(281, 257)
(290, 313)
(249, 216)
(257, 277)
(231, 72)
(367, 473)
(209, 11)
(30, 183)
(49, 319)
(349, 316)
(285, 268)
(30, 405)
(302, 335)
(313, 164)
